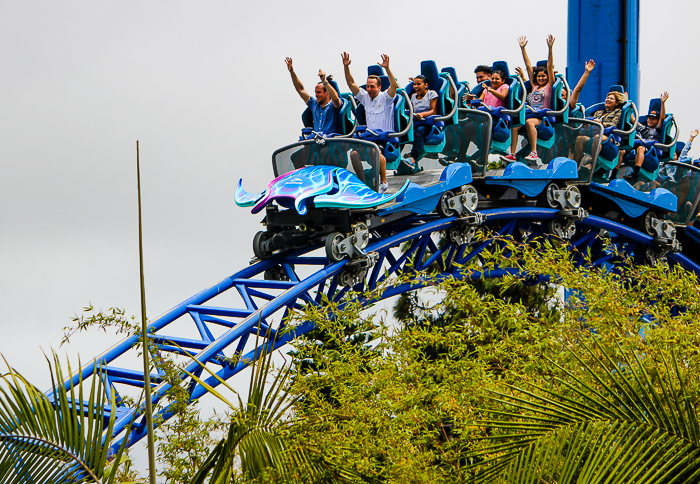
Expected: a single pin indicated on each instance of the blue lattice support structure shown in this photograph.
(223, 330)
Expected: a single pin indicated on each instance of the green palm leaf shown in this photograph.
(613, 423)
(45, 440)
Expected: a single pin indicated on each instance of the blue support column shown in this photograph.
(606, 31)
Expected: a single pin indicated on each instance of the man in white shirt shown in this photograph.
(379, 110)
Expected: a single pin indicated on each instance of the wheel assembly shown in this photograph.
(470, 198)
(548, 196)
(260, 246)
(446, 207)
(334, 247)
(573, 197)
(649, 223)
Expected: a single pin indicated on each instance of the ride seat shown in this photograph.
(619, 137)
(666, 147)
(462, 86)
(435, 139)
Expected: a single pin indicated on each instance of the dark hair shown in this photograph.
(485, 69)
(422, 78)
(501, 74)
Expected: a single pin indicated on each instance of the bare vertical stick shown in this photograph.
(144, 333)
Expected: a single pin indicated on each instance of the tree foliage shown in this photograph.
(459, 389)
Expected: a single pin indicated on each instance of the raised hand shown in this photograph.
(519, 71)
(664, 97)
(693, 134)
(550, 40)
(385, 62)
(522, 41)
(288, 60)
(322, 75)
(590, 65)
(346, 58)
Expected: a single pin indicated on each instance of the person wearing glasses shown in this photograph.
(325, 104)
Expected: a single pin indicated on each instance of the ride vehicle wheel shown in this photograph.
(470, 197)
(276, 274)
(443, 208)
(573, 195)
(258, 245)
(361, 233)
(547, 195)
(333, 247)
(647, 223)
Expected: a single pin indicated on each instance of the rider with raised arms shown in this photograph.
(325, 106)
(379, 111)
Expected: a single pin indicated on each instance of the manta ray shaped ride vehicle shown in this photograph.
(325, 191)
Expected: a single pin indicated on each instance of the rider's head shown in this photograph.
(321, 93)
(373, 86)
(497, 79)
(653, 119)
(541, 76)
(483, 73)
(420, 85)
(614, 100)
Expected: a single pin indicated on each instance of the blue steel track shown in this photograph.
(266, 304)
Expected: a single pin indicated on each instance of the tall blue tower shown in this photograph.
(606, 31)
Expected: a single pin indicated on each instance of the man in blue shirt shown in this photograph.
(325, 106)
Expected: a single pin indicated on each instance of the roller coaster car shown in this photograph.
(324, 190)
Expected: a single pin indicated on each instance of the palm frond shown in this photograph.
(612, 423)
(53, 439)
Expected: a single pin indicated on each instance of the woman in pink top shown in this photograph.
(495, 96)
(540, 98)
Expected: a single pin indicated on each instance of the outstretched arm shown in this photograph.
(662, 115)
(297, 83)
(573, 98)
(392, 80)
(550, 60)
(688, 145)
(501, 93)
(329, 88)
(354, 88)
(523, 42)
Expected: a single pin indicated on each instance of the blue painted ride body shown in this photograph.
(532, 181)
(423, 200)
(634, 202)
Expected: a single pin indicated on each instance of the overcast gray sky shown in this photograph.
(204, 88)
